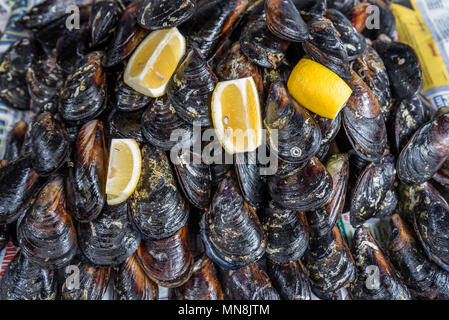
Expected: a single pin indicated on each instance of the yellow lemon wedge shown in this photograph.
(318, 88)
(155, 60)
(125, 162)
(236, 115)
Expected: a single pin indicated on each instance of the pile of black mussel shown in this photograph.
(222, 231)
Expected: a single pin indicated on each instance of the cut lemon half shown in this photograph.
(318, 88)
(236, 115)
(125, 162)
(155, 60)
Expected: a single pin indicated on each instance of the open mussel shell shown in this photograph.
(374, 196)
(326, 47)
(50, 144)
(424, 279)
(18, 183)
(160, 120)
(110, 239)
(103, 20)
(431, 221)
(167, 262)
(126, 38)
(292, 132)
(368, 257)
(46, 233)
(370, 67)
(86, 181)
(126, 99)
(231, 231)
(285, 21)
(287, 233)
(163, 14)
(212, 23)
(305, 189)
(252, 183)
(202, 285)
(290, 280)
(14, 142)
(261, 46)
(190, 88)
(131, 282)
(23, 280)
(363, 121)
(247, 283)
(329, 261)
(402, 66)
(425, 152)
(84, 94)
(158, 210)
(92, 285)
(126, 125)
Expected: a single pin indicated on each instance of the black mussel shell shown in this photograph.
(110, 239)
(353, 41)
(167, 262)
(160, 121)
(328, 260)
(126, 99)
(363, 121)
(252, 183)
(290, 280)
(374, 196)
(194, 177)
(292, 132)
(329, 127)
(131, 282)
(190, 88)
(344, 6)
(70, 57)
(23, 280)
(84, 94)
(431, 222)
(92, 285)
(231, 231)
(86, 181)
(424, 279)
(261, 46)
(370, 67)
(126, 38)
(368, 257)
(49, 35)
(218, 172)
(248, 283)
(202, 285)
(409, 116)
(103, 20)
(212, 23)
(18, 183)
(126, 125)
(402, 66)
(311, 7)
(50, 144)
(285, 21)
(326, 47)
(158, 210)
(425, 152)
(306, 189)
(287, 234)
(163, 14)
(4, 236)
(15, 140)
(46, 233)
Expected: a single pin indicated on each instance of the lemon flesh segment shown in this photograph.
(154, 62)
(236, 115)
(124, 169)
(318, 88)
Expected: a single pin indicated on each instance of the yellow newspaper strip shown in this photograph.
(414, 32)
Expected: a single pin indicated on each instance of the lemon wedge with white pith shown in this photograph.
(125, 162)
(155, 60)
(236, 115)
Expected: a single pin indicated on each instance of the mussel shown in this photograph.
(86, 180)
(311, 8)
(126, 99)
(290, 280)
(25, 281)
(103, 20)
(69, 57)
(377, 279)
(14, 142)
(126, 125)
(329, 127)
(158, 210)
(131, 282)
(231, 231)
(251, 182)
(163, 14)
(46, 233)
(167, 262)
(285, 21)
